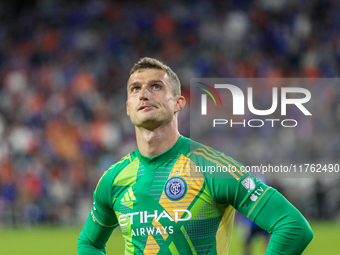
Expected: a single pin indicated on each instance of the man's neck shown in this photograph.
(155, 142)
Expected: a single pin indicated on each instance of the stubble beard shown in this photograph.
(152, 122)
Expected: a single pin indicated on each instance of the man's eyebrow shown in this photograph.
(134, 83)
(149, 82)
(155, 81)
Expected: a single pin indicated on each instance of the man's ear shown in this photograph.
(127, 109)
(180, 103)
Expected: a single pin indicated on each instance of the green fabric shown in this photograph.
(164, 204)
(291, 232)
(173, 249)
(93, 238)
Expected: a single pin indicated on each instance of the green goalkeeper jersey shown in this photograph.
(180, 202)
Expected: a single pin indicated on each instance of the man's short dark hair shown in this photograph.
(152, 63)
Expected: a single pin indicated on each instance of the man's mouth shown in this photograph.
(145, 107)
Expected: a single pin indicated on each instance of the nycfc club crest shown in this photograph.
(175, 188)
(248, 183)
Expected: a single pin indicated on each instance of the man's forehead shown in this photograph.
(148, 74)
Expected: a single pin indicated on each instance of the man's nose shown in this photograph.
(144, 93)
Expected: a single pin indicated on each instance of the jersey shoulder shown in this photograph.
(114, 170)
(189, 146)
(215, 164)
(200, 151)
(121, 164)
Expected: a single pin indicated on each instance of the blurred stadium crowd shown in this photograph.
(64, 67)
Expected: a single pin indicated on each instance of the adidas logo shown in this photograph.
(128, 198)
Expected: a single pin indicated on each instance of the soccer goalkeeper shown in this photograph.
(159, 200)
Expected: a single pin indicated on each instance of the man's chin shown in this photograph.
(149, 123)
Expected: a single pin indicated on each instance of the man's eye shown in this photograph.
(156, 86)
(135, 89)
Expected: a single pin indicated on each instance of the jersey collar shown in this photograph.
(156, 161)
